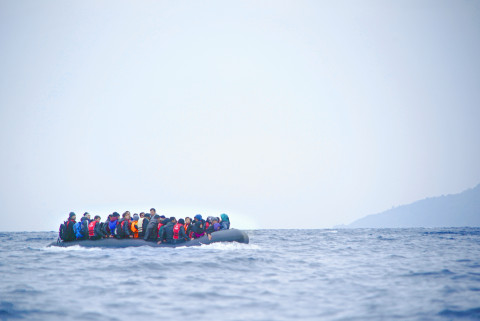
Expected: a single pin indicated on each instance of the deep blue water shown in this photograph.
(359, 274)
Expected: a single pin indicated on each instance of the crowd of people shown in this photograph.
(148, 226)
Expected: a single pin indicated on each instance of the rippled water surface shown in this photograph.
(360, 274)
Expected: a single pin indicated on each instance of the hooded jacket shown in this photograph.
(151, 231)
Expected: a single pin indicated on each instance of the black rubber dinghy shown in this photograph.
(231, 235)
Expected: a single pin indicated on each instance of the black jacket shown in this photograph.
(151, 231)
(199, 227)
(69, 233)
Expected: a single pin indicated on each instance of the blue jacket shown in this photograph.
(112, 225)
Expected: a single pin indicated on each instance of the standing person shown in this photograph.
(95, 231)
(151, 231)
(67, 233)
(224, 221)
(134, 226)
(153, 212)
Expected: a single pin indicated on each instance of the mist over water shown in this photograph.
(358, 274)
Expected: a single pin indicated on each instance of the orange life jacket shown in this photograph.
(134, 229)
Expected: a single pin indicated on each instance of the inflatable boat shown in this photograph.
(231, 235)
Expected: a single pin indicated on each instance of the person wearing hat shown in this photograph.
(198, 227)
(69, 232)
(134, 225)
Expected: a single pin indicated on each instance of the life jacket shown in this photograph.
(207, 225)
(91, 228)
(134, 228)
(140, 224)
(158, 228)
(176, 230)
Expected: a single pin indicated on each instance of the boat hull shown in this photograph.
(232, 235)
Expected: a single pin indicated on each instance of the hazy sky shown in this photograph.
(301, 114)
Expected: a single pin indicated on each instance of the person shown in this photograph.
(166, 231)
(214, 226)
(161, 222)
(151, 231)
(188, 226)
(140, 224)
(106, 227)
(224, 221)
(198, 227)
(142, 227)
(179, 234)
(95, 231)
(134, 226)
(67, 233)
(79, 228)
(123, 226)
(153, 212)
(113, 224)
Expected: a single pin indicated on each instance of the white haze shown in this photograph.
(283, 114)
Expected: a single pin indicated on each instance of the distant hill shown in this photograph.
(455, 210)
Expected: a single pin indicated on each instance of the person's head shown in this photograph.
(181, 221)
(148, 216)
(126, 215)
(188, 220)
(97, 218)
(162, 218)
(87, 215)
(173, 220)
(152, 211)
(214, 220)
(156, 216)
(135, 217)
(72, 216)
(198, 217)
(115, 214)
(142, 214)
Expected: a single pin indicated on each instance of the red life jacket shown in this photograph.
(158, 229)
(91, 228)
(176, 230)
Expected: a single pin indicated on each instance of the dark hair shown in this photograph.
(85, 214)
(172, 218)
(152, 209)
(97, 216)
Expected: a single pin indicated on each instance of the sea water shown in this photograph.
(350, 274)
